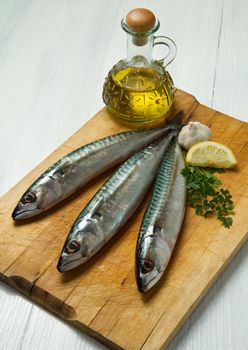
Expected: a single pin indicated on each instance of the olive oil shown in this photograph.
(138, 89)
(138, 94)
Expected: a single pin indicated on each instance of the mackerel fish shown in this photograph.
(77, 168)
(112, 205)
(162, 220)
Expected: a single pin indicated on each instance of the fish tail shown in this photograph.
(177, 121)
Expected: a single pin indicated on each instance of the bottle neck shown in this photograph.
(139, 50)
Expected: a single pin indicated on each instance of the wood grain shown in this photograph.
(101, 297)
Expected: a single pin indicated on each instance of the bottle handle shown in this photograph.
(164, 40)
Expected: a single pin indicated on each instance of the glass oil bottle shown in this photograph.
(139, 90)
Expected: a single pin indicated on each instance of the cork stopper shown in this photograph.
(140, 21)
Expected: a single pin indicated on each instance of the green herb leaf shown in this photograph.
(204, 195)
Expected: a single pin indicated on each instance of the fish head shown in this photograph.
(31, 203)
(151, 262)
(80, 245)
(44, 193)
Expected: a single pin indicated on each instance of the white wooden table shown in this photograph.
(54, 56)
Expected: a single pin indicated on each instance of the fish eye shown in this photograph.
(72, 247)
(147, 265)
(29, 197)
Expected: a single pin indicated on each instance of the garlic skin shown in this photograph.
(193, 133)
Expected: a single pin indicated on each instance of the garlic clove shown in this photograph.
(193, 133)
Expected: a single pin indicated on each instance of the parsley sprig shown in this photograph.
(204, 195)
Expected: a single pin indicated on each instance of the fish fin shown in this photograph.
(157, 230)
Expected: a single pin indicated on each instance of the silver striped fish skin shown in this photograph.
(162, 220)
(77, 168)
(112, 205)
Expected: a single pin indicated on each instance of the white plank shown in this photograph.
(231, 93)
(54, 56)
(220, 321)
(14, 318)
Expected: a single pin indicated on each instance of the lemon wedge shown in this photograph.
(211, 154)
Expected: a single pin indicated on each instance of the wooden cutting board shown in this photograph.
(101, 297)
